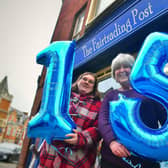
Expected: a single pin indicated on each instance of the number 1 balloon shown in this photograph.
(148, 78)
(53, 120)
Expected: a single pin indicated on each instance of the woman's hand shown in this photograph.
(73, 138)
(118, 149)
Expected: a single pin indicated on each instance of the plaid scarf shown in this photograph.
(84, 111)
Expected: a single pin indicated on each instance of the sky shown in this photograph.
(26, 28)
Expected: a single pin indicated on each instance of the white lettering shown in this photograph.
(118, 29)
(134, 14)
(141, 15)
(93, 44)
(150, 8)
(86, 51)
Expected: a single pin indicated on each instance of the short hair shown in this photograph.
(121, 59)
(95, 92)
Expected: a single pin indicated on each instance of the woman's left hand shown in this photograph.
(73, 138)
(119, 149)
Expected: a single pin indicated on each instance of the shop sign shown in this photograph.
(123, 25)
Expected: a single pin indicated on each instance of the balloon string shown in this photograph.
(131, 164)
(39, 148)
(67, 149)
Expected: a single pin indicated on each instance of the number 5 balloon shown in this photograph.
(148, 78)
(53, 120)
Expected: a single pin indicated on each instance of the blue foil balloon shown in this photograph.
(148, 78)
(53, 120)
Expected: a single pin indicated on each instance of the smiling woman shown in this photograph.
(74, 151)
(113, 149)
(86, 84)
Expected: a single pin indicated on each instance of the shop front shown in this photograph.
(123, 31)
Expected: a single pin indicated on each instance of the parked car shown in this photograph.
(9, 151)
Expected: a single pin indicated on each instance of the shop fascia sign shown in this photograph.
(127, 22)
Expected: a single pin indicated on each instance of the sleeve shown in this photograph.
(90, 135)
(104, 125)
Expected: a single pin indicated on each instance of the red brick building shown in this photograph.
(13, 123)
(16, 126)
(5, 102)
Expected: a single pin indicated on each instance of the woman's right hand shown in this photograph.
(119, 149)
(73, 137)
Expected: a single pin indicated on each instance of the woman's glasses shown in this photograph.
(88, 80)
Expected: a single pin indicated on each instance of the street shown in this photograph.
(7, 165)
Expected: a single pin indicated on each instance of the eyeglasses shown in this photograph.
(88, 80)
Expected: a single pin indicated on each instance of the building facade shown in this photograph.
(13, 123)
(102, 29)
(5, 102)
(16, 126)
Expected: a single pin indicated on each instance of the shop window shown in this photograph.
(107, 84)
(78, 25)
(105, 81)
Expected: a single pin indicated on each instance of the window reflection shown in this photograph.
(106, 85)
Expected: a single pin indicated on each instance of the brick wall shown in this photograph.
(4, 104)
(66, 21)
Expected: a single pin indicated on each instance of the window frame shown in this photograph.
(93, 8)
(80, 16)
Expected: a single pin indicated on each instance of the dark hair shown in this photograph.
(95, 92)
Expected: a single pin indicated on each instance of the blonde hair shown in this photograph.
(121, 59)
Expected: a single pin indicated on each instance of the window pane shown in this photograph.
(14, 132)
(78, 24)
(8, 130)
(103, 4)
(107, 84)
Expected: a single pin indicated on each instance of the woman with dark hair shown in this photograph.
(79, 149)
(95, 92)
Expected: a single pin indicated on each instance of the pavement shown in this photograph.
(7, 165)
